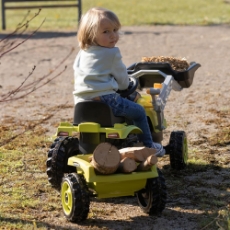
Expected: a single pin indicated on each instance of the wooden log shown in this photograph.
(106, 158)
(139, 154)
(127, 165)
(147, 164)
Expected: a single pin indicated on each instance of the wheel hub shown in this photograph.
(66, 198)
(67, 201)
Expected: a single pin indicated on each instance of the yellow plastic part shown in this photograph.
(122, 130)
(66, 198)
(90, 127)
(114, 185)
(145, 101)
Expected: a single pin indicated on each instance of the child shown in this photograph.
(99, 71)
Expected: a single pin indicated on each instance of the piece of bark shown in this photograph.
(139, 154)
(127, 165)
(147, 164)
(106, 158)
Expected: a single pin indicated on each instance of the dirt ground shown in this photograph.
(201, 111)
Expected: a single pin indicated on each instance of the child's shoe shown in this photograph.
(160, 150)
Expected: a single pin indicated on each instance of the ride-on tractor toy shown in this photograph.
(68, 165)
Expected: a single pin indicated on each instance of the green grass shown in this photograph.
(132, 12)
(23, 183)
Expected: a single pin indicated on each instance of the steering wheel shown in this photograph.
(133, 84)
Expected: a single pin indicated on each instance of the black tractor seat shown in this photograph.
(95, 111)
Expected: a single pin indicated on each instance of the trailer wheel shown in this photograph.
(75, 197)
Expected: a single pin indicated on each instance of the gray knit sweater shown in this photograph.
(98, 71)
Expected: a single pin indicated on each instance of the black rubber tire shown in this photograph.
(178, 150)
(75, 197)
(60, 150)
(152, 199)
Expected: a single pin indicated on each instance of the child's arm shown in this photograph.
(119, 72)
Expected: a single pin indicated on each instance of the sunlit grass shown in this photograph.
(23, 181)
(25, 192)
(132, 12)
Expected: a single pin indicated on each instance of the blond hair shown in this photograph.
(89, 25)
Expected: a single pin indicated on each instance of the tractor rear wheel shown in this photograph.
(60, 150)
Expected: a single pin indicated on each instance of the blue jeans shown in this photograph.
(132, 111)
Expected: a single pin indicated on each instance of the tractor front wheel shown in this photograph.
(178, 150)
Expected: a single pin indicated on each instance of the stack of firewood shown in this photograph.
(178, 64)
(107, 159)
